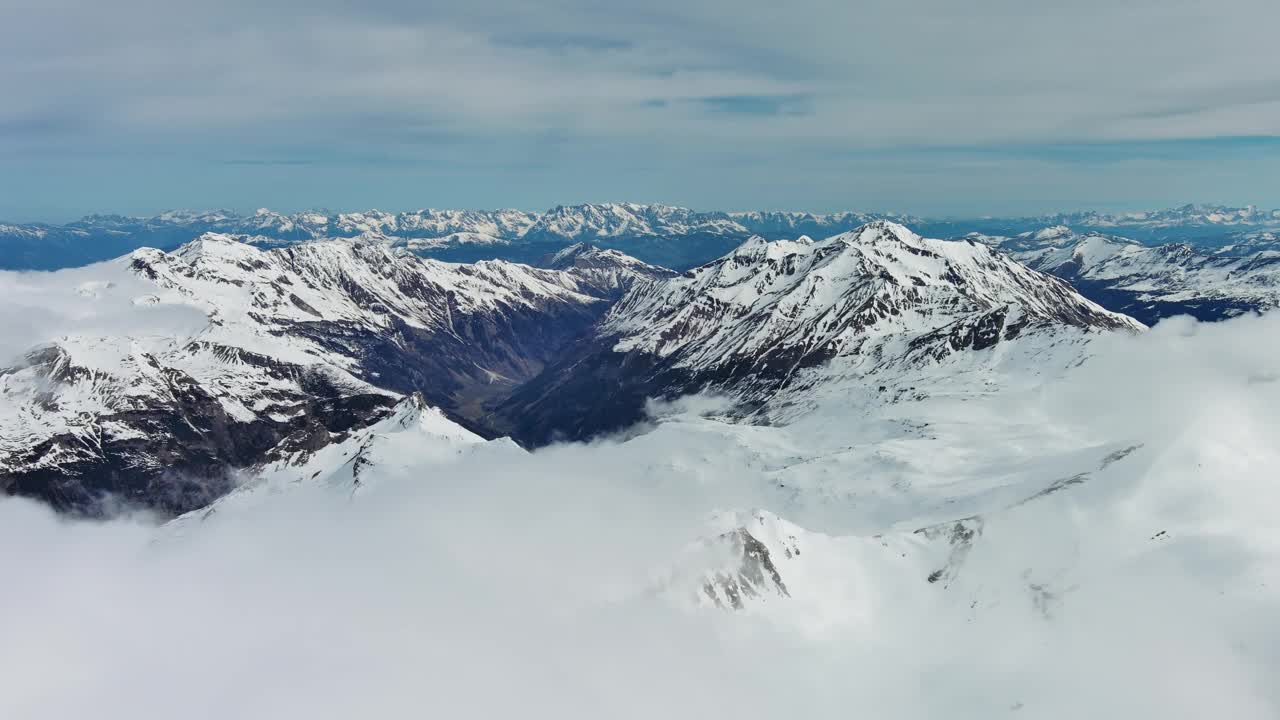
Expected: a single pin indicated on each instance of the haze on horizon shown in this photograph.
(927, 108)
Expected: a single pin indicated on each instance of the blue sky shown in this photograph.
(922, 106)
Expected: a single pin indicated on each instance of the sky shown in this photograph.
(921, 106)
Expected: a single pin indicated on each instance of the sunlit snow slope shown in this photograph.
(176, 369)
(771, 324)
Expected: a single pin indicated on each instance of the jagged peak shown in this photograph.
(409, 409)
(214, 239)
(413, 412)
(742, 561)
(878, 231)
(754, 244)
(1176, 250)
(569, 253)
(208, 247)
(879, 234)
(881, 267)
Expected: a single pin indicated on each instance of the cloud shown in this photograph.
(758, 104)
(506, 583)
(95, 301)
(879, 73)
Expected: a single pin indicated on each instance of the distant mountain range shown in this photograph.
(1202, 215)
(659, 234)
(670, 236)
(1151, 283)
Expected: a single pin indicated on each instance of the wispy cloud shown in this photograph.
(561, 41)
(794, 104)
(708, 76)
(258, 162)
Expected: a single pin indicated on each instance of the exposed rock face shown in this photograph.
(755, 575)
(742, 564)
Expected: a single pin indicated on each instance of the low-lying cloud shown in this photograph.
(104, 300)
(503, 583)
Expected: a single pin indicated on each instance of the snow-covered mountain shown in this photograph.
(773, 323)
(409, 437)
(660, 234)
(319, 224)
(100, 237)
(1248, 242)
(630, 220)
(664, 234)
(293, 348)
(787, 224)
(298, 346)
(1190, 215)
(609, 273)
(1154, 282)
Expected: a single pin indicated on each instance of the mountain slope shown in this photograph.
(410, 438)
(773, 322)
(297, 346)
(609, 273)
(1155, 282)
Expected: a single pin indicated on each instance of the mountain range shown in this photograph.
(863, 443)
(294, 348)
(233, 353)
(1151, 283)
(673, 237)
(287, 350)
(772, 323)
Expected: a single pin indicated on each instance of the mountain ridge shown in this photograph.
(1155, 282)
(665, 235)
(772, 320)
(298, 347)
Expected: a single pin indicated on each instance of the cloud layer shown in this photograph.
(928, 72)
(507, 583)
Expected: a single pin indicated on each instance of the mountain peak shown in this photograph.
(603, 272)
(1155, 282)
(773, 318)
(1054, 232)
(567, 255)
(877, 232)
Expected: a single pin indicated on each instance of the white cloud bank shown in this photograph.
(102, 300)
(509, 584)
